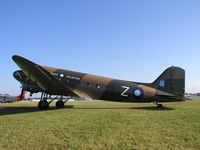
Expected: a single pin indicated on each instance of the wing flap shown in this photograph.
(44, 79)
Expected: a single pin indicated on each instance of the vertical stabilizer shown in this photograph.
(172, 80)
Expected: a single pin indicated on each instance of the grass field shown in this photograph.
(101, 125)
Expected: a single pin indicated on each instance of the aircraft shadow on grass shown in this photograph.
(154, 108)
(151, 108)
(19, 110)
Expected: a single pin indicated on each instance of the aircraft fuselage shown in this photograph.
(168, 87)
(102, 88)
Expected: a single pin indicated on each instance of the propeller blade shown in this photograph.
(22, 94)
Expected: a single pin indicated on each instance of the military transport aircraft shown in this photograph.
(168, 87)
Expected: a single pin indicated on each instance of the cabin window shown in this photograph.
(61, 75)
(98, 86)
(88, 84)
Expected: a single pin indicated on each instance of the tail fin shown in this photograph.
(172, 80)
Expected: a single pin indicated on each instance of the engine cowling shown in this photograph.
(27, 84)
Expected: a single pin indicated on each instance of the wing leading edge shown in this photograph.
(43, 79)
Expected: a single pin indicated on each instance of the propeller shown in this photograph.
(22, 94)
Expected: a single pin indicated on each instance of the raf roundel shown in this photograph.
(138, 92)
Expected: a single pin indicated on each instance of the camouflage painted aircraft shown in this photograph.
(168, 87)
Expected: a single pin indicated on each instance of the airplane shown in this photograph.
(168, 87)
(6, 98)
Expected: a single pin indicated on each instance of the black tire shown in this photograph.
(160, 106)
(60, 104)
(43, 105)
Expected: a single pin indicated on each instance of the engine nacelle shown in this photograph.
(27, 84)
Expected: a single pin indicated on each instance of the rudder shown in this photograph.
(172, 80)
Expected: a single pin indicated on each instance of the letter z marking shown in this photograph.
(124, 92)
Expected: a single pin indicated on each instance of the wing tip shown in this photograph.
(15, 57)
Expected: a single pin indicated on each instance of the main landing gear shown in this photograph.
(44, 104)
(60, 104)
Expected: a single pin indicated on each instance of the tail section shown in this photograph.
(172, 81)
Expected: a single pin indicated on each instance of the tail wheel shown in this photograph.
(160, 106)
(60, 104)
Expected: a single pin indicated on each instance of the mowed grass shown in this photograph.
(100, 125)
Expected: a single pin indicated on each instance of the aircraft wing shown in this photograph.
(43, 79)
(163, 95)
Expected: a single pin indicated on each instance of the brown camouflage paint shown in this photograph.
(55, 81)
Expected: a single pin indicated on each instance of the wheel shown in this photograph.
(160, 106)
(60, 104)
(43, 105)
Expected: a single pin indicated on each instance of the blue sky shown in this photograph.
(124, 39)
